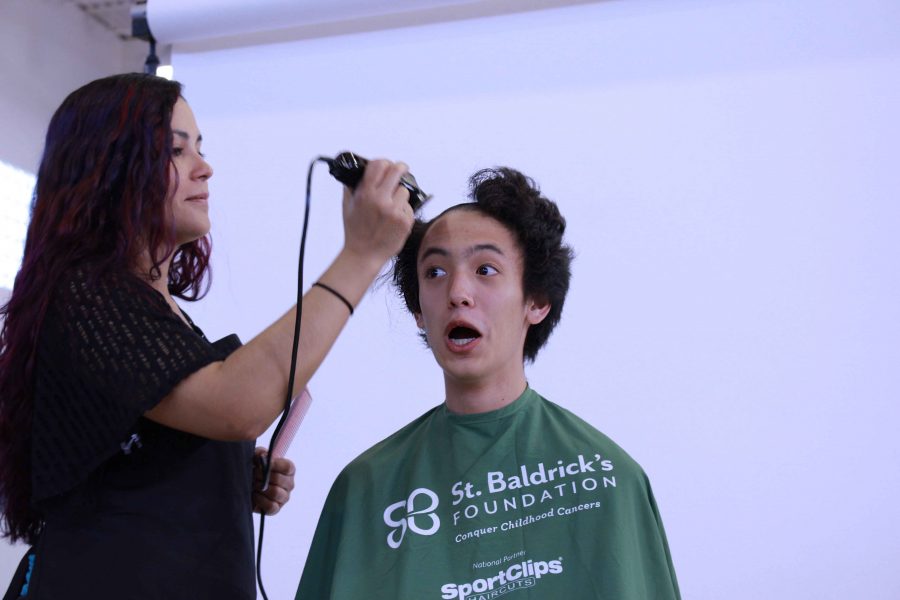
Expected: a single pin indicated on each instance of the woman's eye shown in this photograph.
(177, 151)
(487, 270)
(432, 272)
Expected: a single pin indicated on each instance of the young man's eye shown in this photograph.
(486, 270)
(432, 272)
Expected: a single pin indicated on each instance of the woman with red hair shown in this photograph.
(126, 437)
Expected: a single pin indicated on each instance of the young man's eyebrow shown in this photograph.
(432, 251)
(481, 247)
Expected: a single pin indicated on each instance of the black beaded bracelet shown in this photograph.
(336, 294)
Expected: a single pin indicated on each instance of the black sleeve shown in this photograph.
(109, 350)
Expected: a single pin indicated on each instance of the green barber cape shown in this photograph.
(525, 502)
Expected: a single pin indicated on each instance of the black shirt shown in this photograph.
(131, 508)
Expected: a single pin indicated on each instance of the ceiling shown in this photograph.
(115, 15)
(311, 18)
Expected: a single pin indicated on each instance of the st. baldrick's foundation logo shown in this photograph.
(415, 514)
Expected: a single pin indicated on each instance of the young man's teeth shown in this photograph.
(460, 341)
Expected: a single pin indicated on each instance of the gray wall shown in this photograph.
(47, 49)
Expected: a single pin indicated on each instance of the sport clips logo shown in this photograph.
(414, 512)
(520, 575)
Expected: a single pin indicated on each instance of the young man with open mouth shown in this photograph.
(497, 490)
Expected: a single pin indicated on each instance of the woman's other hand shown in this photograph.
(281, 482)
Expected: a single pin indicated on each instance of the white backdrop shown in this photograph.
(728, 170)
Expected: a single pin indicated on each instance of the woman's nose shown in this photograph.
(202, 170)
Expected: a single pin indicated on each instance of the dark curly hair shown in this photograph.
(514, 200)
(100, 202)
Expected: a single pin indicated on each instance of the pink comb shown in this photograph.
(299, 407)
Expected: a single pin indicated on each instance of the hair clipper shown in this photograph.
(348, 168)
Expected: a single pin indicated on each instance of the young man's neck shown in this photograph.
(468, 398)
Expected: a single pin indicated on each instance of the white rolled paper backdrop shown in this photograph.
(728, 172)
(177, 21)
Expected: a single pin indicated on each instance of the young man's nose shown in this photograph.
(459, 292)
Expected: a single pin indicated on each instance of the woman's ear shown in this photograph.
(536, 310)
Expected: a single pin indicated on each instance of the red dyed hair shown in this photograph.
(101, 201)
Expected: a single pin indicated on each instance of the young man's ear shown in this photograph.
(419, 323)
(536, 310)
